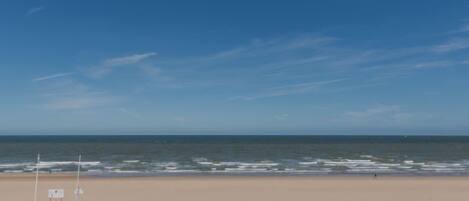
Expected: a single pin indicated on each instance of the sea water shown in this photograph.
(143, 155)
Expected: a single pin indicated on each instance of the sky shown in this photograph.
(235, 65)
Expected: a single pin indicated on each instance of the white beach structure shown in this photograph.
(37, 176)
(59, 193)
(78, 190)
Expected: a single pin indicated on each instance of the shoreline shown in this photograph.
(67, 175)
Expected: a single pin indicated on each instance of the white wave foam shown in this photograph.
(131, 161)
(48, 164)
(367, 156)
(13, 171)
(125, 171)
(13, 165)
(205, 163)
(308, 163)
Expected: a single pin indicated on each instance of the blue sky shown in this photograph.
(238, 65)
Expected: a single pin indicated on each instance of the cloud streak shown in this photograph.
(289, 90)
(261, 64)
(70, 94)
(258, 67)
(453, 44)
(49, 77)
(126, 60)
(381, 115)
(107, 66)
(276, 67)
(462, 29)
(34, 10)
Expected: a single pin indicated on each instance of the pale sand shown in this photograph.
(20, 188)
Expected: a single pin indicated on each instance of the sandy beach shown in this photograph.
(215, 188)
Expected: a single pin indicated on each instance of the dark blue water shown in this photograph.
(260, 154)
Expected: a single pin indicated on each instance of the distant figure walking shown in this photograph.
(375, 176)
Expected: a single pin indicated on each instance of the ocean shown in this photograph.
(238, 155)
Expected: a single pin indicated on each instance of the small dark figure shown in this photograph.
(375, 175)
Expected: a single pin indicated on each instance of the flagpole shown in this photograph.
(77, 189)
(37, 176)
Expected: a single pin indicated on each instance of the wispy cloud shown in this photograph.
(126, 60)
(70, 94)
(35, 10)
(380, 115)
(259, 48)
(289, 89)
(49, 77)
(263, 63)
(106, 67)
(275, 67)
(433, 64)
(79, 102)
(462, 29)
(452, 45)
(256, 68)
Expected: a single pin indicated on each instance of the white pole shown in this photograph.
(77, 189)
(37, 176)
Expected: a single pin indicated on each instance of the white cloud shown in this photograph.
(453, 44)
(260, 48)
(69, 94)
(379, 115)
(126, 60)
(106, 67)
(49, 77)
(433, 64)
(261, 64)
(289, 89)
(462, 29)
(35, 10)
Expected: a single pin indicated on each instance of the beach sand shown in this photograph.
(231, 188)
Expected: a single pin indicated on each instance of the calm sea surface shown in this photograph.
(238, 155)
